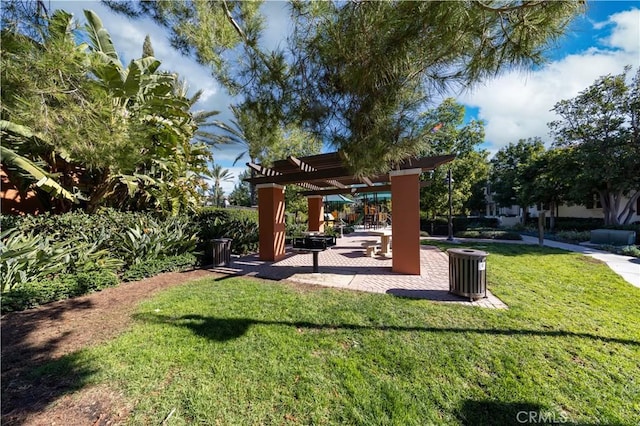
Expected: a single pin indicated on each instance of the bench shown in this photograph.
(371, 248)
(615, 237)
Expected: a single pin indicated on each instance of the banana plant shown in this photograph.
(156, 103)
(41, 178)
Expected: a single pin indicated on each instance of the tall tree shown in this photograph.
(507, 175)
(147, 48)
(443, 132)
(600, 129)
(358, 73)
(241, 195)
(367, 68)
(260, 146)
(66, 120)
(546, 180)
(219, 175)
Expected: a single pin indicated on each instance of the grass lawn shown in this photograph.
(242, 352)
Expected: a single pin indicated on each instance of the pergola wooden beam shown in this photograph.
(307, 168)
(263, 170)
(335, 183)
(297, 177)
(359, 190)
(328, 169)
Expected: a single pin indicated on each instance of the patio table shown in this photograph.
(385, 240)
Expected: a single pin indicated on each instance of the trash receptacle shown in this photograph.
(468, 273)
(221, 251)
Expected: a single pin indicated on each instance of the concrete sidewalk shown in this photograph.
(626, 266)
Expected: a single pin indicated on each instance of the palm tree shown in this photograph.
(219, 175)
(243, 130)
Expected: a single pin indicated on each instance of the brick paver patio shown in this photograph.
(347, 266)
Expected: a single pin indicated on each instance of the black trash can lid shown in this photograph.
(468, 252)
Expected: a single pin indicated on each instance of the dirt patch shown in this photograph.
(590, 260)
(36, 336)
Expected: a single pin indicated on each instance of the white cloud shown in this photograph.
(517, 105)
(278, 24)
(626, 35)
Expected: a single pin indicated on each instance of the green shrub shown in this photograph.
(295, 229)
(494, 235)
(440, 225)
(241, 225)
(150, 239)
(29, 257)
(573, 236)
(348, 229)
(156, 266)
(50, 257)
(63, 286)
(630, 251)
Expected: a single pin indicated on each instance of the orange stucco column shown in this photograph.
(405, 226)
(316, 213)
(271, 221)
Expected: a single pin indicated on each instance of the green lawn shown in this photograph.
(243, 352)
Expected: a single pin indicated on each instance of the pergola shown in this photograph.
(326, 174)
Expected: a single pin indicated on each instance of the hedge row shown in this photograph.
(51, 257)
(440, 225)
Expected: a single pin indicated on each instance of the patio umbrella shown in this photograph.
(377, 195)
(338, 199)
(335, 202)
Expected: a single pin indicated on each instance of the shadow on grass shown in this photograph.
(222, 329)
(25, 390)
(435, 295)
(484, 412)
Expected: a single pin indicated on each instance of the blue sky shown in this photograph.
(513, 105)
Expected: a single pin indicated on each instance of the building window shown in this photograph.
(593, 202)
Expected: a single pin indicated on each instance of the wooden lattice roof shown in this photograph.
(325, 174)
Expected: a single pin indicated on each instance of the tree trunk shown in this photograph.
(552, 216)
(613, 215)
(629, 209)
(99, 191)
(610, 217)
(252, 188)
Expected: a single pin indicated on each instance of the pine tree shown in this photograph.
(147, 48)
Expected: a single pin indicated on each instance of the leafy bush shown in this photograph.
(241, 225)
(156, 266)
(440, 225)
(295, 229)
(149, 239)
(63, 286)
(573, 236)
(630, 251)
(49, 257)
(485, 234)
(29, 257)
